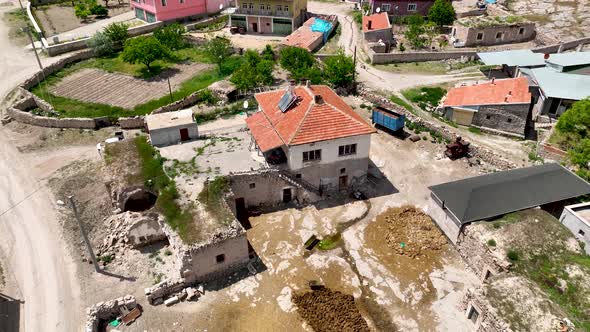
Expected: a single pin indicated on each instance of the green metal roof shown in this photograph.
(486, 196)
(522, 58)
(570, 59)
(561, 85)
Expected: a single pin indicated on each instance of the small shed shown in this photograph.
(171, 127)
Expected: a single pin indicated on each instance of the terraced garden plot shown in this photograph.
(97, 86)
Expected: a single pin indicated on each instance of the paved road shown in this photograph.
(29, 230)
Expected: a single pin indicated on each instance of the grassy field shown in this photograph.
(67, 107)
(425, 97)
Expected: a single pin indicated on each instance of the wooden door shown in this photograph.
(343, 182)
(184, 134)
(287, 195)
(255, 27)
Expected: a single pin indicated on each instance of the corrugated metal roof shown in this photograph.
(486, 196)
(562, 85)
(522, 58)
(570, 59)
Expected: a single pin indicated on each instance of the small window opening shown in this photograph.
(220, 258)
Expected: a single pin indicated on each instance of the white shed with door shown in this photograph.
(171, 127)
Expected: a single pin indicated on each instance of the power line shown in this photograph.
(19, 202)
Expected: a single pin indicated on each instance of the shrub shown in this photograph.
(117, 32)
(81, 11)
(99, 10)
(402, 48)
(491, 242)
(171, 36)
(101, 44)
(513, 255)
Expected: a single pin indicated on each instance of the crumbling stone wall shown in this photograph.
(136, 122)
(510, 34)
(487, 320)
(507, 118)
(108, 310)
(476, 253)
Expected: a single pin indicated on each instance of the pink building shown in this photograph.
(396, 8)
(167, 10)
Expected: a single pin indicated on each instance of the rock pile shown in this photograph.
(411, 232)
(327, 310)
(107, 311)
(172, 291)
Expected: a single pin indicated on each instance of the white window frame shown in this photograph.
(347, 150)
(245, 5)
(279, 8)
(385, 7)
(412, 7)
(251, 6)
(164, 3)
(312, 155)
(262, 6)
(285, 8)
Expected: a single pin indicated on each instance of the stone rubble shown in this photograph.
(108, 310)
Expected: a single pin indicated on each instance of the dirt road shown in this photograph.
(29, 230)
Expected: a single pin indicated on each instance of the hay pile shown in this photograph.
(411, 232)
(327, 310)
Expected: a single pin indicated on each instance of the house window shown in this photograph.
(279, 8)
(345, 150)
(164, 2)
(342, 170)
(312, 155)
(581, 232)
(245, 5)
(521, 31)
(499, 35)
(412, 7)
(509, 120)
(220, 258)
(251, 6)
(181, 1)
(385, 7)
(268, 7)
(285, 8)
(252, 185)
(473, 315)
(262, 6)
(488, 117)
(480, 36)
(298, 176)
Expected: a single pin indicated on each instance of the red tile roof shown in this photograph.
(378, 22)
(304, 37)
(306, 121)
(506, 91)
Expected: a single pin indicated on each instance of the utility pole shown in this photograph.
(354, 71)
(84, 235)
(170, 90)
(33, 45)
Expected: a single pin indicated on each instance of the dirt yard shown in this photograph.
(116, 89)
(58, 18)
(560, 20)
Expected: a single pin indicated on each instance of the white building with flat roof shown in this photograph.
(577, 219)
(171, 127)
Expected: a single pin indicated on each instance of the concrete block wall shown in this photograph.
(380, 58)
(507, 118)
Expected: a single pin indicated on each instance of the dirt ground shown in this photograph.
(325, 310)
(257, 42)
(58, 18)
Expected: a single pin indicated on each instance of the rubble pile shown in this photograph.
(411, 232)
(109, 310)
(327, 310)
(170, 292)
(123, 232)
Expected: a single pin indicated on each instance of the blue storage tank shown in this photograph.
(387, 118)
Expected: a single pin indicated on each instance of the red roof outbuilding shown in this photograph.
(319, 114)
(377, 22)
(506, 91)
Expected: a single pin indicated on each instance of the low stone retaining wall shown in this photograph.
(52, 68)
(137, 122)
(476, 151)
(564, 46)
(56, 49)
(381, 58)
(107, 310)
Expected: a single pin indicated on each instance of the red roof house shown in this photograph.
(502, 106)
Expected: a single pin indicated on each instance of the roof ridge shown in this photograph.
(273, 127)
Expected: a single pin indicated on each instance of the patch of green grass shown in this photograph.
(491, 242)
(425, 96)
(512, 255)
(329, 242)
(212, 197)
(154, 177)
(397, 100)
(106, 258)
(474, 130)
(183, 167)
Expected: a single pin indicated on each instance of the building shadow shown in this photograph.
(255, 266)
(10, 309)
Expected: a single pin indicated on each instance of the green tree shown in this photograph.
(296, 60)
(254, 70)
(576, 121)
(415, 35)
(580, 154)
(339, 70)
(101, 44)
(442, 12)
(264, 70)
(144, 50)
(268, 53)
(218, 49)
(171, 36)
(81, 11)
(117, 33)
(99, 10)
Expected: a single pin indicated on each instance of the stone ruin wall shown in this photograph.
(477, 254)
(488, 320)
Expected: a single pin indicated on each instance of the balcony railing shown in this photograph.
(259, 12)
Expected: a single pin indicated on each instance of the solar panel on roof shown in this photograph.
(286, 101)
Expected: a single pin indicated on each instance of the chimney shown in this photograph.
(493, 80)
(318, 99)
(369, 25)
(510, 93)
(308, 83)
